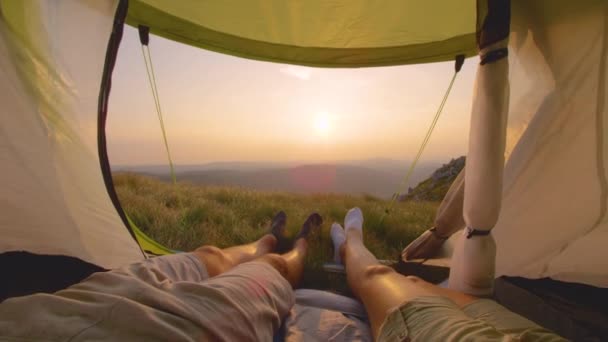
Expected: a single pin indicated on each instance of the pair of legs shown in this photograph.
(290, 264)
(380, 287)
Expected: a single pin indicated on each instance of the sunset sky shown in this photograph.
(222, 108)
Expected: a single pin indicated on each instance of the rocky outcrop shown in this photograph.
(436, 186)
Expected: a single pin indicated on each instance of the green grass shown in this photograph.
(186, 216)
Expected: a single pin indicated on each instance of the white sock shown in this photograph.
(354, 220)
(338, 237)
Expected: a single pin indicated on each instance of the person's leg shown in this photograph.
(250, 301)
(218, 261)
(291, 264)
(256, 295)
(379, 287)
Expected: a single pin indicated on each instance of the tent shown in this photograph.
(543, 113)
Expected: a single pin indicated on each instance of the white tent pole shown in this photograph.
(473, 261)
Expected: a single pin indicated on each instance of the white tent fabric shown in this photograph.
(553, 219)
(53, 197)
(474, 256)
(553, 216)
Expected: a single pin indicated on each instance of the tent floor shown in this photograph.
(575, 311)
(28, 273)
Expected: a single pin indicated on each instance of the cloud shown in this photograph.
(300, 72)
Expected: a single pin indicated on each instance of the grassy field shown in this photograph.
(186, 216)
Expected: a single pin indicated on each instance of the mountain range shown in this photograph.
(376, 177)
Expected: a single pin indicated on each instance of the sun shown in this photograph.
(322, 124)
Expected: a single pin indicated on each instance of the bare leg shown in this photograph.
(379, 287)
(218, 261)
(291, 264)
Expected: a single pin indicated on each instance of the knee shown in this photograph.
(214, 258)
(414, 279)
(374, 271)
(211, 251)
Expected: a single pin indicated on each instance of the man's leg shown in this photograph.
(218, 261)
(291, 264)
(379, 287)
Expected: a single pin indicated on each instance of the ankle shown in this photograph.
(342, 252)
(301, 245)
(354, 235)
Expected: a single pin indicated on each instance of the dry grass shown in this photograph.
(186, 216)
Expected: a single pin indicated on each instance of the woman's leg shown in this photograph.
(379, 287)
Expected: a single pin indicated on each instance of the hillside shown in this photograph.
(437, 185)
(377, 177)
(307, 179)
(185, 216)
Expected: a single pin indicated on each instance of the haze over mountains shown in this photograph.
(377, 177)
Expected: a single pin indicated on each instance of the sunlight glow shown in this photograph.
(322, 124)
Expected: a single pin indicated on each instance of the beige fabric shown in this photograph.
(53, 197)
(439, 319)
(485, 157)
(167, 298)
(473, 261)
(553, 219)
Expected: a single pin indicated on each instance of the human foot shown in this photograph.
(338, 237)
(313, 222)
(266, 244)
(354, 220)
(277, 229)
(277, 226)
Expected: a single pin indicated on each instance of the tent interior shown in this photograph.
(536, 173)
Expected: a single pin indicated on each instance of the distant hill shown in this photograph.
(306, 179)
(376, 177)
(437, 185)
(162, 169)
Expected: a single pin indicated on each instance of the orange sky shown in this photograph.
(223, 108)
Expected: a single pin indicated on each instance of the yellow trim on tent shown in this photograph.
(147, 243)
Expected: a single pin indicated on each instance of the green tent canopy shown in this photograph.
(337, 34)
